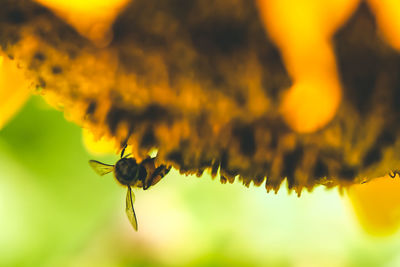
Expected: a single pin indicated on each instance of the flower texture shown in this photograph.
(240, 88)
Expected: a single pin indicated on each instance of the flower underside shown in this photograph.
(204, 84)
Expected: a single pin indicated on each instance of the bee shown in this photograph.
(132, 174)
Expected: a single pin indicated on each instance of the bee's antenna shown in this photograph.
(123, 151)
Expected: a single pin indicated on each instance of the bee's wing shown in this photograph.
(130, 198)
(101, 168)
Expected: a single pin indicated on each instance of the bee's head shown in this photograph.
(126, 171)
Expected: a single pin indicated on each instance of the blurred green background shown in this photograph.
(55, 211)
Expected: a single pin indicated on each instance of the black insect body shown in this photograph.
(131, 174)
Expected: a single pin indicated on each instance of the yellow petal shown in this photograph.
(14, 90)
(96, 146)
(377, 205)
(388, 13)
(91, 18)
(302, 32)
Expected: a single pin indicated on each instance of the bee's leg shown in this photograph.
(123, 150)
(158, 174)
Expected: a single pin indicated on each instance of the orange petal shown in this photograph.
(302, 30)
(377, 205)
(14, 90)
(91, 18)
(388, 13)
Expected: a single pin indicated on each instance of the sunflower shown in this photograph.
(255, 91)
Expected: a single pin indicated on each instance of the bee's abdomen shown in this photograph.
(164, 170)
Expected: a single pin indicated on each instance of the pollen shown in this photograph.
(241, 89)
